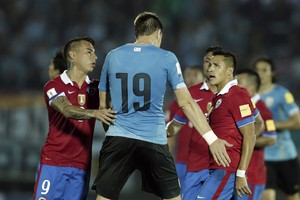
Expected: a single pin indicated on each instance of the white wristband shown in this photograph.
(209, 137)
(241, 173)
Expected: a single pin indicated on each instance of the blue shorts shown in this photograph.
(219, 185)
(193, 182)
(257, 191)
(54, 182)
(181, 172)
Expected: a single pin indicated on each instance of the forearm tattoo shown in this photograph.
(64, 106)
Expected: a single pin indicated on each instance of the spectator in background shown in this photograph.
(257, 172)
(57, 65)
(281, 159)
(72, 102)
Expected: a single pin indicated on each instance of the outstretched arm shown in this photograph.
(64, 106)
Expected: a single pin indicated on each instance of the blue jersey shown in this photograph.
(282, 105)
(136, 77)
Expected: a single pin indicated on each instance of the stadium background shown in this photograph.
(31, 31)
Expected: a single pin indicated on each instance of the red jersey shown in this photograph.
(183, 136)
(257, 171)
(231, 108)
(69, 141)
(198, 151)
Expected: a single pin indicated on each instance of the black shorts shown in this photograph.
(283, 175)
(120, 156)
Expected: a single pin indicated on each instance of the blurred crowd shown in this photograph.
(31, 31)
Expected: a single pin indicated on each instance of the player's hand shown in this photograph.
(107, 116)
(218, 150)
(241, 186)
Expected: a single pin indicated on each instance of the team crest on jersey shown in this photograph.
(42, 198)
(218, 103)
(269, 101)
(81, 99)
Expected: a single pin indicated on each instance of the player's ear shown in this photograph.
(230, 71)
(72, 55)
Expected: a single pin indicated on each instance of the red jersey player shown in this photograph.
(72, 101)
(179, 146)
(232, 118)
(256, 172)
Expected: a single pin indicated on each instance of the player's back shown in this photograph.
(137, 77)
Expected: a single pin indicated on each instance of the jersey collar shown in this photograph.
(228, 86)
(255, 98)
(204, 86)
(65, 78)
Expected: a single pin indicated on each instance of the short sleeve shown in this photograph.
(52, 90)
(242, 109)
(175, 76)
(104, 80)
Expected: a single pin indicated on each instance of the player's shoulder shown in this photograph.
(55, 81)
(280, 88)
(239, 91)
(94, 82)
(195, 87)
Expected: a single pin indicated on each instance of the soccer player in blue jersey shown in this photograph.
(281, 158)
(134, 77)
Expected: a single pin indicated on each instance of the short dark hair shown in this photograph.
(71, 43)
(267, 60)
(253, 75)
(59, 61)
(228, 56)
(213, 48)
(146, 23)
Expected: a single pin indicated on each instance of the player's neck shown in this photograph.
(76, 76)
(145, 40)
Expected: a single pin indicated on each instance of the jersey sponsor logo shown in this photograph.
(70, 92)
(178, 69)
(137, 49)
(50, 93)
(270, 125)
(245, 110)
(218, 103)
(289, 99)
(81, 99)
